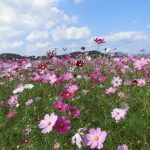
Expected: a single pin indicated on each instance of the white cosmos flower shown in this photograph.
(88, 58)
(78, 138)
(28, 86)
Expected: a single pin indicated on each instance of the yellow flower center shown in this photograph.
(96, 138)
(67, 94)
(49, 123)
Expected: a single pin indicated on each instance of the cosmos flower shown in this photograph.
(11, 114)
(13, 100)
(74, 111)
(110, 91)
(139, 63)
(68, 76)
(79, 63)
(141, 82)
(67, 95)
(49, 78)
(48, 122)
(88, 58)
(78, 138)
(99, 41)
(116, 82)
(134, 82)
(56, 145)
(60, 106)
(118, 114)
(96, 138)
(122, 147)
(72, 88)
(25, 141)
(28, 86)
(62, 125)
(19, 89)
(29, 102)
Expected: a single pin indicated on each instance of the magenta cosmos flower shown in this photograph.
(48, 122)
(13, 100)
(60, 106)
(67, 95)
(74, 111)
(62, 125)
(96, 138)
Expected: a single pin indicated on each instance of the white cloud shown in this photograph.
(36, 35)
(72, 33)
(7, 32)
(127, 36)
(9, 46)
(31, 21)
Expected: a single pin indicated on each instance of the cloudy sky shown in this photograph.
(32, 27)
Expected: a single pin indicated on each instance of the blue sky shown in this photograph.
(34, 27)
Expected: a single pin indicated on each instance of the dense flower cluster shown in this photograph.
(60, 95)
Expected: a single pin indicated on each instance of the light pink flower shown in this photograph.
(68, 76)
(110, 91)
(29, 102)
(96, 138)
(13, 100)
(49, 78)
(118, 114)
(122, 147)
(139, 63)
(72, 88)
(48, 122)
(116, 82)
(141, 82)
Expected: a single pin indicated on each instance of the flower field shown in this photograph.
(75, 103)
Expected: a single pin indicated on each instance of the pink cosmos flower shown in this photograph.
(96, 138)
(116, 82)
(48, 122)
(68, 76)
(118, 114)
(139, 63)
(49, 78)
(72, 88)
(141, 82)
(67, 95)
(74, 111)
(13, 100)
(60, 106)
(11, 114)
(29, 102)
(62, 125)
(35, 77)
(122, 147)
(110, 91)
